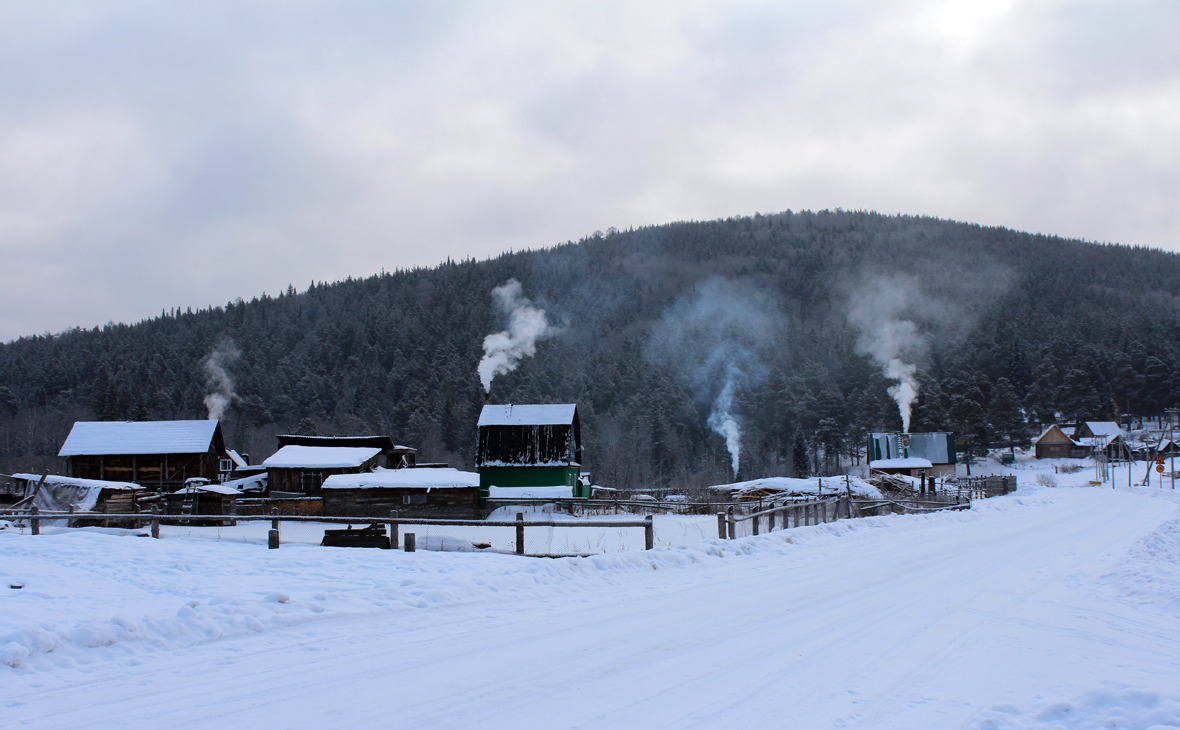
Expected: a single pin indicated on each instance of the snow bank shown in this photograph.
(1128, 709)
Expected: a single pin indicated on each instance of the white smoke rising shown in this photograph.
(218, 380)
(717, 339)
(877, 311)
(723, 423)
(502, 351)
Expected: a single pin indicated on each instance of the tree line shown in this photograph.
(1018, 331)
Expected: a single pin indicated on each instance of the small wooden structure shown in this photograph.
(208, 498)
(296, 469)
(412, 492)
(59, 493)
(1105, 436)
(393, 456)
(1053, 443)
(153, 454)
(911, 467)
(530, 446)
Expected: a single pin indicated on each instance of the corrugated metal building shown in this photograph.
(937, 447)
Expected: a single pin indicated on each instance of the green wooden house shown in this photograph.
(530, 446)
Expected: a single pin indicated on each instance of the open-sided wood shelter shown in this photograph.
(153, 454)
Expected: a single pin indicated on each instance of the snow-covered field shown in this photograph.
(1049, 608)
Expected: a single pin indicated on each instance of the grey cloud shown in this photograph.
(246, 146)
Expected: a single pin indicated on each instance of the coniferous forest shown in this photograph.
(1007, 332)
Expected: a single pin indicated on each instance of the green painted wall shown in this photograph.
(531, 476)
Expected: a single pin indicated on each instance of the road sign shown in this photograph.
(1159, 468)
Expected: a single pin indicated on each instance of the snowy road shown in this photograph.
(896, 622)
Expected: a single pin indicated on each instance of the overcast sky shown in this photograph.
(163, 154)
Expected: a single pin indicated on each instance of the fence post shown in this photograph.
(649, 533)
(411, 542)
(520, 533)
(732, 525)
(272, 537)
(70, 521)
(393, 541)
(34, 520)
(770, 519)
(720, 525)
(155, 522)
(754, 519)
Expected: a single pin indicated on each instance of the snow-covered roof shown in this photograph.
(95, 438)
(910, 463)
(236, 458)
(212, 487)
(1048, 430)
(404, 479)
(253, 482)
(56, 479)
(324, 457)
(527, 415)
(1104, 428)
(791, 485)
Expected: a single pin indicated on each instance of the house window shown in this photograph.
(414, 499)
(312, 481)
(227, 465)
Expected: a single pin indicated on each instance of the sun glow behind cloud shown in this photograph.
(164, 155)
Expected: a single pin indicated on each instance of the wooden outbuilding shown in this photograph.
(1054, 443)
(443, 493)
(296, 469)
(1106, 436)
(530, 446)
(393, 456)
(153, 454)
(60, 494)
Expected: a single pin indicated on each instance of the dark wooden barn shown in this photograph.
(296, 469)
(392, 456)
(153, 454)
(530, 446)
(444, 493)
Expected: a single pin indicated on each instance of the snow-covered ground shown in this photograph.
(1049, 608)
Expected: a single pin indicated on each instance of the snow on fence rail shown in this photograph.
(477, 535)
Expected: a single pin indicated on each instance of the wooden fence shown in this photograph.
(394, 524)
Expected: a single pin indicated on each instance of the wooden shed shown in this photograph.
(154, 454)
(1106, 436)
(60, 493)
(530, 446)
(200, 497)
(1053, 443)
(296, 469)
(393, 456)
(444, 493)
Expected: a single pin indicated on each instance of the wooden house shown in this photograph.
(296, 469)
(530, 446)
(1107, 436)
(448, 493)
(153, 454)
(1054, 443)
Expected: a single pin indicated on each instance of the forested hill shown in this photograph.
(1006, 330)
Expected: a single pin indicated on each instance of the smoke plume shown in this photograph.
(218, 380)
(502, 351)
(878, 311)
(717, 339)
(722, 422)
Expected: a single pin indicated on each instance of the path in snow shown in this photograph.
(983, 617)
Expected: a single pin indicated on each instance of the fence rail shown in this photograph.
(393, 523)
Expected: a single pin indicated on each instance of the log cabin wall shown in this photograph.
(145, 469)
(451, 502)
